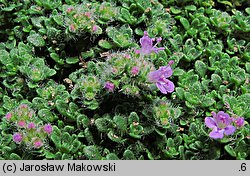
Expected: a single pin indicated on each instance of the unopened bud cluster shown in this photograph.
(85, 17)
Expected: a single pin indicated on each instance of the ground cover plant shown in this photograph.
(124, 79)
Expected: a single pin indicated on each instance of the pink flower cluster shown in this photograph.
(30, 130)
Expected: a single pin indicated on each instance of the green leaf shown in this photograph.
(192, 31)
(92, 105)
(170, 142)
(92, 152)
(66, 156)
(75, 146)
(216, 80)
(72, 60)
(207, 101)
(150, 155)
(190, 8)
(239, 77)
(225, 75)
(161, 131)
(125, 15)
(58, 156)
(9, 9)
(103, 124)
(82, 120)
(105, 44)
(191, 79)
(191, 98)
(178, 140)
(46, 115)
(56, 58)
(36, 40)
(226, 3)
(175, 10)
(49, 72)
(247, 66)
(200, 68)
(114, 137)
(62, 107)
(4, 57)
(185, 23)
(180, 92)
(120, 122)
(128, 155)
(112, 156)
(189, 105)
(178, 72)
(66, 142)
(183, 122)
(121, 36)
(69, 129)
(193, 146)
(89, 136)
(36, 21)
(8, 103)
(181, 151)
(87, 54)
(230, 150)
(196, 89)
(49, 155)
(59, 19)
(56, 137)
(133, 117)
(248, 10)
(14, 156)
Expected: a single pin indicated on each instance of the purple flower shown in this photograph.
(94, 28)
(31, 125)
(17, 138)
(109, 86)
(87, 14)
(147, 45)
(239, 121)
(38, 143)
(72, 28)
(48, 128)
(23, 106)
(69, 9)
(8, 116)
(221, 124)
(134, 70)
(165, 86)
(159, 78)
(21, 124)
(31, 113)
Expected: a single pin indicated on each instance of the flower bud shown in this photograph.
(87, 14)
(8, 116)
(31, 125)
(134, 70)
(94, 28)
(72, 28)
(69, 9)
(109, 86)
(239, 121)
(17, 138)
(48, 128)
(21, 124)
(38, 143)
